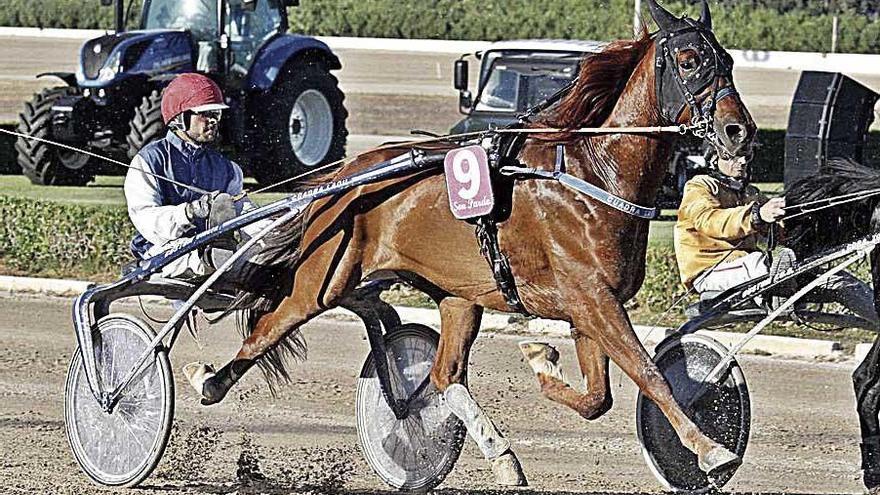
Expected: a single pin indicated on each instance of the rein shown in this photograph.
(672, 129)
(831, 202)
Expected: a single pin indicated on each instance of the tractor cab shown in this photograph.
(286, 112)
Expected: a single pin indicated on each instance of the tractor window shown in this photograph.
(249, 30)
(197, 16)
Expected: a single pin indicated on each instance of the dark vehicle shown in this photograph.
(517, 75)
(283, 99)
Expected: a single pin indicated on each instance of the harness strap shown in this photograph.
(487, 235)
(584, 187)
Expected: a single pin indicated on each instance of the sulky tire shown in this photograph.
(43, 163)
(301, 124)
(417, 452)
(721, 410)
(120, 448)
(147, 125)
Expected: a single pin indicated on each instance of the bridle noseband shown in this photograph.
(675, 92)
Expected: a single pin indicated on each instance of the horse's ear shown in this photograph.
(664, 19)
(705, 16)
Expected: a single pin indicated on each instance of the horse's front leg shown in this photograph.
(866, 382)
(459, 325)
(598, 313)
(543, 359)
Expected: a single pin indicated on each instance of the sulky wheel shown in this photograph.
(417, 452)
(722, 412)
(122, 447)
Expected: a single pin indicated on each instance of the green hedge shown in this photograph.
(76, 241)
(46, 238)
(770, 25)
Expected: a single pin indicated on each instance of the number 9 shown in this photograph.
(470, 178)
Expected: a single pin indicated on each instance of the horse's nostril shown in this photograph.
(735, 132)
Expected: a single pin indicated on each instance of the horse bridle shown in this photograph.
(696, 37)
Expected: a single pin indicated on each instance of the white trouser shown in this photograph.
(843, 288)
(190, 265)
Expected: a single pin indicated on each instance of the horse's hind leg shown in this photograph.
(322, 278)
(593, 363)
(866, 382)
(601, 315)
(459, 324)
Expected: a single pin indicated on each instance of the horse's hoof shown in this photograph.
(508, 471)
(197, 374)
(542, 358)
(718, 461)
(202, 378)
(872, 482)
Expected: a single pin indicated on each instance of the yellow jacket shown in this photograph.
(713, 220)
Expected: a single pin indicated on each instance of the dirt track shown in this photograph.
(804, 433)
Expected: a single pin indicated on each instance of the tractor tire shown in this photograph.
(302, 124)
(43, 163)
(147, 124)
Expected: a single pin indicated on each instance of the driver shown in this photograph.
(720, 222)
(167, 215)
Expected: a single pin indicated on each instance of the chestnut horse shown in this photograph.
(572, 258)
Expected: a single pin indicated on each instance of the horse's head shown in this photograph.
(694, 81)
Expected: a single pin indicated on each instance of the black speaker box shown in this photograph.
(830, 116)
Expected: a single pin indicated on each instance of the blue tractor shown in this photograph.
(286, 110)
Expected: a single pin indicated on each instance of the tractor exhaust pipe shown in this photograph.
(118, 14)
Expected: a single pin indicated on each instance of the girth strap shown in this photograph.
(487, 235)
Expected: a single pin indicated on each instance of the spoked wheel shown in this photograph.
(722, 412)
(417, 452)
(120, 448)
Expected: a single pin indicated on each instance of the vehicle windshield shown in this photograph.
(519, 82)
(198, 16)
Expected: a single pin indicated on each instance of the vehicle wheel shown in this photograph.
(120, 448)
(147, 124)
(417, 452)
(303, 124)
(43, 163)
(723, 412)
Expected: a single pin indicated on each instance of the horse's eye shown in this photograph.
(688, 60)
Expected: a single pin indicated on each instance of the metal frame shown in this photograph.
(95, 302)
(727, 309)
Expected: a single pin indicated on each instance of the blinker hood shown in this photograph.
(675, 91)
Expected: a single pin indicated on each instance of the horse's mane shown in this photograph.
(602, 78)
(830, 227)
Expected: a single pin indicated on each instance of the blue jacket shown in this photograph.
(156, 206)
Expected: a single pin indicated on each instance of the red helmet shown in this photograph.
(191, 92)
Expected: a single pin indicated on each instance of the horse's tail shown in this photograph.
(264, 281)
(838, 176)
(824, 228)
